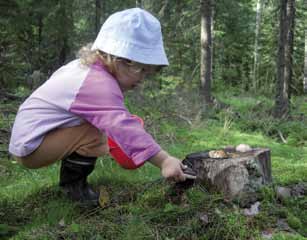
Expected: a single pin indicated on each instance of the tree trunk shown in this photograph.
(235, 174)
(148, 5)
(212, 39)
(98, 15)
(206, 50)
(256, 47)
(164, 11)
(284, 58)
(40, 31)
(39, 37)
(104, 11)
(66, 28)
(305, 65)
(305, 62)
(138, 3)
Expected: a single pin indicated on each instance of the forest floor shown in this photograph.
(32, 207)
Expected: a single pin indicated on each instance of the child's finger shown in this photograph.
(183, 167)
(188, 176)
(189, 171)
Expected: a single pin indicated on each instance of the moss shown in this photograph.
(140, 209)
(294, 222)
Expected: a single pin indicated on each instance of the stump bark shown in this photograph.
(236, 175)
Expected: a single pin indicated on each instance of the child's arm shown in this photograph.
(171, 167)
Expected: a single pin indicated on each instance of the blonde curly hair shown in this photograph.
(88, 57)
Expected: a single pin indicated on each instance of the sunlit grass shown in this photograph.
(32, 205)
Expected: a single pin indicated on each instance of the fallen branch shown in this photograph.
(185, 119)
(281, 137)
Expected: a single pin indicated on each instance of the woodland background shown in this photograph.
(37, 37)
(237, 74)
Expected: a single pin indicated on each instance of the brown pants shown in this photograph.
(84, 139)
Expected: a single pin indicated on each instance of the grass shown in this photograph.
(31, 206)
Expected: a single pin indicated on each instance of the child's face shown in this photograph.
(131, 74)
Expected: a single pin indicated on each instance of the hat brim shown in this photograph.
(152, 56)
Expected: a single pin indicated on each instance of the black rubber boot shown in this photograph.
(73, 179)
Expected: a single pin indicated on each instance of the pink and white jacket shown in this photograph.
(75, 93)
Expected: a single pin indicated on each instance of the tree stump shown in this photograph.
(235, 174)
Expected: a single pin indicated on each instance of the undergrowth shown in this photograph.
(32, 207)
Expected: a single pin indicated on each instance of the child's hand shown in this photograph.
(171, 168)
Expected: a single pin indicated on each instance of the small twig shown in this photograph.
(194, 71)
(281, 136)
(185, 119)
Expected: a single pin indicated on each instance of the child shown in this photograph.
(71, 115)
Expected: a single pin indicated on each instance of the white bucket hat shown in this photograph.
(133, 34)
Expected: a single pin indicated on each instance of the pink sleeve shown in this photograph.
(100, 101)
